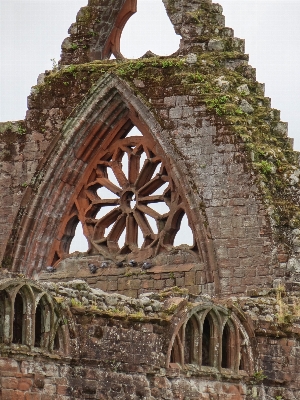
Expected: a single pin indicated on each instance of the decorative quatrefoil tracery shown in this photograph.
(128, 203)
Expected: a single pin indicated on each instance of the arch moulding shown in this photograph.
(110, 107)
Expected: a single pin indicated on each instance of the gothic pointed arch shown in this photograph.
(29, 315)
(211, 338)
(94, 140)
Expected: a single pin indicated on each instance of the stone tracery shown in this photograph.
(211, 338)
(29, 317)
(128, 203)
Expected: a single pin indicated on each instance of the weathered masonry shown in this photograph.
(186, 186)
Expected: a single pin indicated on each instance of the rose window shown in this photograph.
(128, 203)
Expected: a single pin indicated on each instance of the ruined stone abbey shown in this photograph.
(145, 154)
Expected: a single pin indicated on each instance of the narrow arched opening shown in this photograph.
(56, 342)
(243, 355)
(177, 351)
(69, 234)
(226, 347)
(43, 323)
(207, 356)
(2, 315)
(79, 241)
(184, 235)
(191, 351)
(18, 321)
(38, 326)
(242, 366)
(188, 342)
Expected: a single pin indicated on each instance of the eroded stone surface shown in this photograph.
(121, 330)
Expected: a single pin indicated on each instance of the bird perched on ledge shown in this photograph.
(120, 264)
(132, 263)
(50, 269)
(147, 265)
(93, 268)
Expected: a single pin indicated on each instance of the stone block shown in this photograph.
(226, 273)
(148, 284)
(8, 365)
(239, 273)
(234, 252)
(170, 101)
(9, 383)
(200, 278)
(170, 282)
(159, 284)
(181, 101)
(101, 285)
(49, 389)
(122, 284)
(45, 396)
(194, 289)
(130, 293)
(176, 112)
(180, 282)
(24, 384)
(189, 278)
(32, 396)
(10, 394)
(112, 286)
(133, 284)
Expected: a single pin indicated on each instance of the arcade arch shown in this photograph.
(212, 338)
(29, 317)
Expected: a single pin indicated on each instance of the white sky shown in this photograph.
(31, 32)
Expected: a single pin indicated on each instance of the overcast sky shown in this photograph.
(31, 32)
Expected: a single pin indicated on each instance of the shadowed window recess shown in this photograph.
(212, 340)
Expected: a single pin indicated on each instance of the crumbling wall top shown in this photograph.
(98, 28)
(97, 31)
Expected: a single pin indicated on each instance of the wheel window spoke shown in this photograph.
(131, 231)
(117, 229)
(119, 174)
(109, 185)
(134, 168)
(143, 224)
(152, 186)
(148, 211)
(151, 199)
(105, 222)
(146, 173)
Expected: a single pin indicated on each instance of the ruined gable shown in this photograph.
(130, 149)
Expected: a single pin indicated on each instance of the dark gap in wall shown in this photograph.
(18, 320)
(226, 347)
(2, 316)
(56, 341)
(206, 342)
(188, 342)
(38, 326)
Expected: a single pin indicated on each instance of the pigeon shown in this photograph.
(104, 265)
(132, 263)
(93, 268)
(147, 265)
(50, 269)
(119, 264)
